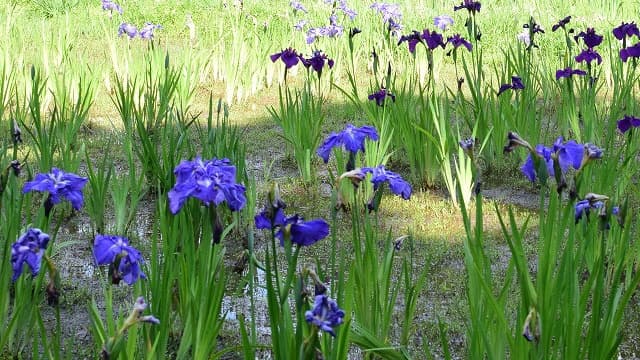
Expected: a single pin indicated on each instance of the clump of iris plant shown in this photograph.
(351, 138)
(112, 7)
(124, 260)
(210, 181)
(325, 314)
(59, 185)
(516, 84)
(628, 122)
(381, 96)
(28, 249)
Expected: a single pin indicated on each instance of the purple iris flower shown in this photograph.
(561, 24)
(514, 141)
(468, 145)
(442, 22)
(289, 57)
(342, 6)
(412, 40)
(381, 95)
(331, 31)
(471, 6)
(394, 26)
(584, 206)
(138, 308)
(398, 186)
(59, 184)
(457, 41)
(111, 6)
(590, 38)
(569, 72)
(326, 314)
(630, 52)
(626, 30)
(529, 169)
(28, 249)
(317, 61)
(627, 123)
(129, 29)
(387, 11)
(588, 56)
(569, 153)
(210, 181)
(124, 260)
(299, 26)
(516, 84)
(432, 39)
(303, 233)
(352, 138)
(592, 152)
(146, 32)
(297, 6)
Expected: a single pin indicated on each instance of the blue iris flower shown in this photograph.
(326, 314)
(28, 249)
(59, 184)
(116, 251)
(352, 138)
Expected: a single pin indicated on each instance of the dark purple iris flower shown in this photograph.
(28, 249)
(111, 6)
(590, 38)
(569, 154)
(457, 41)
(630, 52)
(352, 138)
(317, 61)
(289, 57)
(398, 186)
(381, 95)
(59, 184)
(146, 32)
(588, 56)
(561, 24)
(471, 6)
(326, 314)
(129, 29)
(569, 72)
(433, 39)
(516, 84)
(210, 181)
(124, 260)
(627, 123)
(412, 40)
(303, 233)
(626, 30)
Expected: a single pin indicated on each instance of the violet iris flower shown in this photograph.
(630, 52)
(627, 123)
(471, 6)
(588, 56)
(351, 138)
(300, 25)
(326, 314)
(590, 38)
(569, 72)
(116, 251)
(398, 186)
(28, 249)
(111, 6)
(129, 29)
(561, 24)
(457, 41)
(412, 40)
(342, 6)
(59, 184)
(210, 181)
(516, 84)
(626, 30)
(297, 6)
(442, 22)
(146, 32)
(381, 95)
(289, 57)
